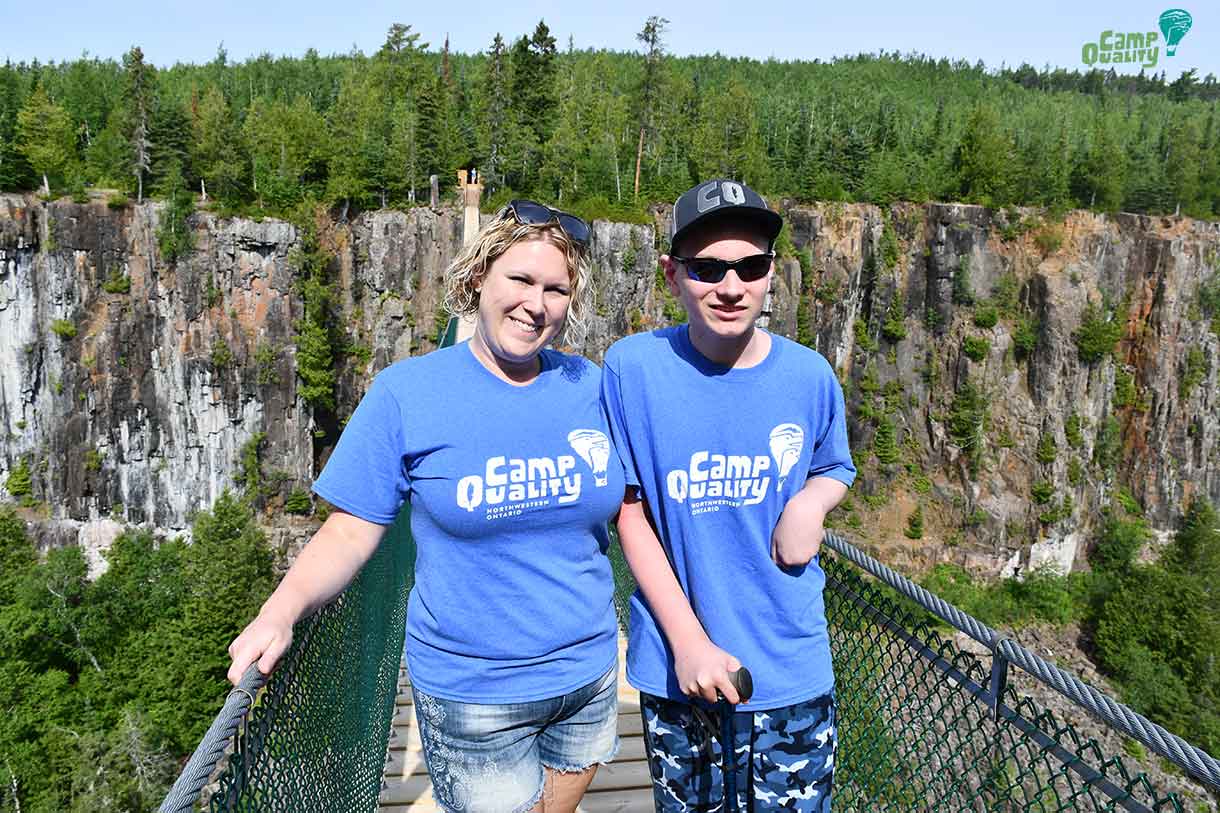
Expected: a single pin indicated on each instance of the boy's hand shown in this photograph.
(798, 534)
(703, 670)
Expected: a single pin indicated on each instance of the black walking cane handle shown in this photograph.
(743, 683)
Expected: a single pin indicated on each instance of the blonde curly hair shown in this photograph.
(467, 271)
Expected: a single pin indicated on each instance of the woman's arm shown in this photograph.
(322, 570)
(798, 534)
(701, 666)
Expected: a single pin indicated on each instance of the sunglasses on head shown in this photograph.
(535, 214)
(713, 269)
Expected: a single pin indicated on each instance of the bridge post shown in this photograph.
(471, 189)
(999, 679)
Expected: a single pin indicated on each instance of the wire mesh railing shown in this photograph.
(316, 735)
(923, 724)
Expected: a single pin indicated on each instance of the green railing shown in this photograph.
(923, 725)
(317, 734)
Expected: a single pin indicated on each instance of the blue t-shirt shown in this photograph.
(718, 452)
(510, 490)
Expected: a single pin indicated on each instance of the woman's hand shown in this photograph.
(703, 670)
(265, 639)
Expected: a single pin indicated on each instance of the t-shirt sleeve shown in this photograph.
(366, 474)
(831, 454)
(612, 401)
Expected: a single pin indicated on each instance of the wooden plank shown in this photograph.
(629, 788)
(622, 775)
(623, 801)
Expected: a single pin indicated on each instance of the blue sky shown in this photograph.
(1037, 31)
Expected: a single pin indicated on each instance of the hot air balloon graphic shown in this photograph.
(1174, 24)
(594, 448)
(786, 442)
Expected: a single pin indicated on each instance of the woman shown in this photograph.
(500, 445)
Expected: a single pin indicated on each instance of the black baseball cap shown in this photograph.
(722, 199)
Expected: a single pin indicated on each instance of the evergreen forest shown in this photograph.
(606, 133)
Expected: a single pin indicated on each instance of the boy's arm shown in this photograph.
(701, 666)
(798, 534)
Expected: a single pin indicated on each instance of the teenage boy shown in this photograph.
(735, 446)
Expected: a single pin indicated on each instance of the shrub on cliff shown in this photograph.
(968, 421)
(174, 236)
(1097, 334)
(976, 348)
(315, 342)
(894, 328)
(64, 329)
(18, 483)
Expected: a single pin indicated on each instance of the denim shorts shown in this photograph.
(490, 758)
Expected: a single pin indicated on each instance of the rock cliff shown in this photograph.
(131, 387)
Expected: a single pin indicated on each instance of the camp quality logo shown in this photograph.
(711, 480)
(1139, 47)
(510, 486)
(1174, 24)
(594, 449)
(786, 442)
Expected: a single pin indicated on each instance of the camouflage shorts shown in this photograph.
(784, 758)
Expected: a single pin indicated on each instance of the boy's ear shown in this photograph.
(671, 270)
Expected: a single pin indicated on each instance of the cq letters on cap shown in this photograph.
(733, 193)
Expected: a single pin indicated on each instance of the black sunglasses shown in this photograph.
(535, 214)
(713, 269)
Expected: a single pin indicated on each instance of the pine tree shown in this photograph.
(651, 35)
(403, 159)
(1099, 178)
(138, 97)
(108, 157)
(496, 115)
(544, 94)
(534, 100)
(15, 172)
(435, 141)
(1209, 170)
(288, 149)
(982, 159)
(565, 154)
(1183, 161)
(727, 143)
(399, 61)
(169, 136)
(46, 137)
(1057, 191)
(217, 155)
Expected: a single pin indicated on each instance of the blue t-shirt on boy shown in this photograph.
(718, 452)
(510, 490)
